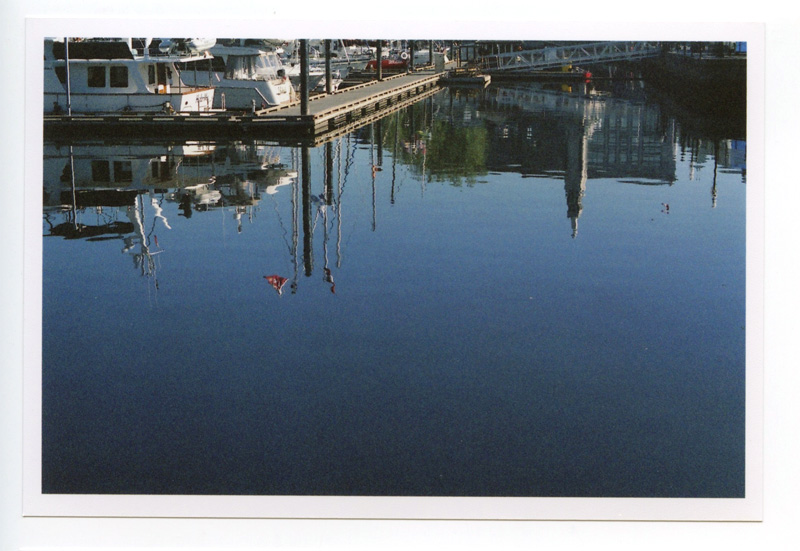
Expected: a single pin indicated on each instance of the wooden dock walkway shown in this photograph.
(327, 113)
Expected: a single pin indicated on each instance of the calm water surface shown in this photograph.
(513, 292)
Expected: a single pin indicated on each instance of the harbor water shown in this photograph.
(523, 290)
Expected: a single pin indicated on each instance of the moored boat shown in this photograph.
(112, 76)
(388, 63)
(244, 73)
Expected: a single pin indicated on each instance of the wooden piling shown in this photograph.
(303, 77)
(328, 76)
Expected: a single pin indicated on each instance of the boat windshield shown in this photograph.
(251, 67)
(268, 64)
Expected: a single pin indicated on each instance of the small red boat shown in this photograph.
(387, 64)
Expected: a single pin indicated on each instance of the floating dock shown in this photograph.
(326, 114)
(466, 77)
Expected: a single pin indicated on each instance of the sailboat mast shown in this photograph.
(66, 63)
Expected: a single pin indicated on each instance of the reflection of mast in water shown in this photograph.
(394, 154)
(417, 142)
(374, 170)
(143, 259)
(714, 185)
(425, 149)
(312, 207)
(295, 224)
(339, 204)
(74, 192)
(328, 181)
(575, 173)
(308, 259)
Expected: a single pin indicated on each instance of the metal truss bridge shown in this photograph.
(555, 57)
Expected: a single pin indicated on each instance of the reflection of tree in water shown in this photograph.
(434, 148)
(456, 154)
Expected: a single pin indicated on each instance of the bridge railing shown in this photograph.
(552, 57)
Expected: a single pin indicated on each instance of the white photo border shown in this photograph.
(37, 504)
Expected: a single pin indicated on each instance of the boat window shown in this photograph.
(101, 172)
(266, 65)
(269, 60)
(61, 73)
(119, 77)
(217, 64)
(240, 67)
(151, 74)
(162, 170)
(123, 171)
(96, 77)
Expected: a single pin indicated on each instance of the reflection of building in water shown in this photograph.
(625, 140)
(574, 134)
(575, 173)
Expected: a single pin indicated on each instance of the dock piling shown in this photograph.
(328, 76)
(303, 77)
(379, 60)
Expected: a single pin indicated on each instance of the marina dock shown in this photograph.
(328, 115)
(125, 105)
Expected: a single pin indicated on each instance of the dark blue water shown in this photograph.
(514, 292)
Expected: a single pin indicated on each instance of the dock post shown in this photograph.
(410, 66)
(379, 61)
(303, 76)
(328, 76)
(430, 52)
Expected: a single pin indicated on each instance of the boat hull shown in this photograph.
(239, 94)
(194, 100)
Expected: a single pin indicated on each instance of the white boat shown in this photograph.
(342, 63)
(316, 75)
(343, 58)
(112, 76)
(245, 73)
(316, 78)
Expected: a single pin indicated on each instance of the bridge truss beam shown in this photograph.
(553, 57)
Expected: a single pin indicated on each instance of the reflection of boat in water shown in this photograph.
(198, 176)
(106, 76)
(95, 168)
(277, 282)
(119, 215)
(285, 179)
(244, 73)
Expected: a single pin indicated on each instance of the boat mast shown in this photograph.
(66, 63)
